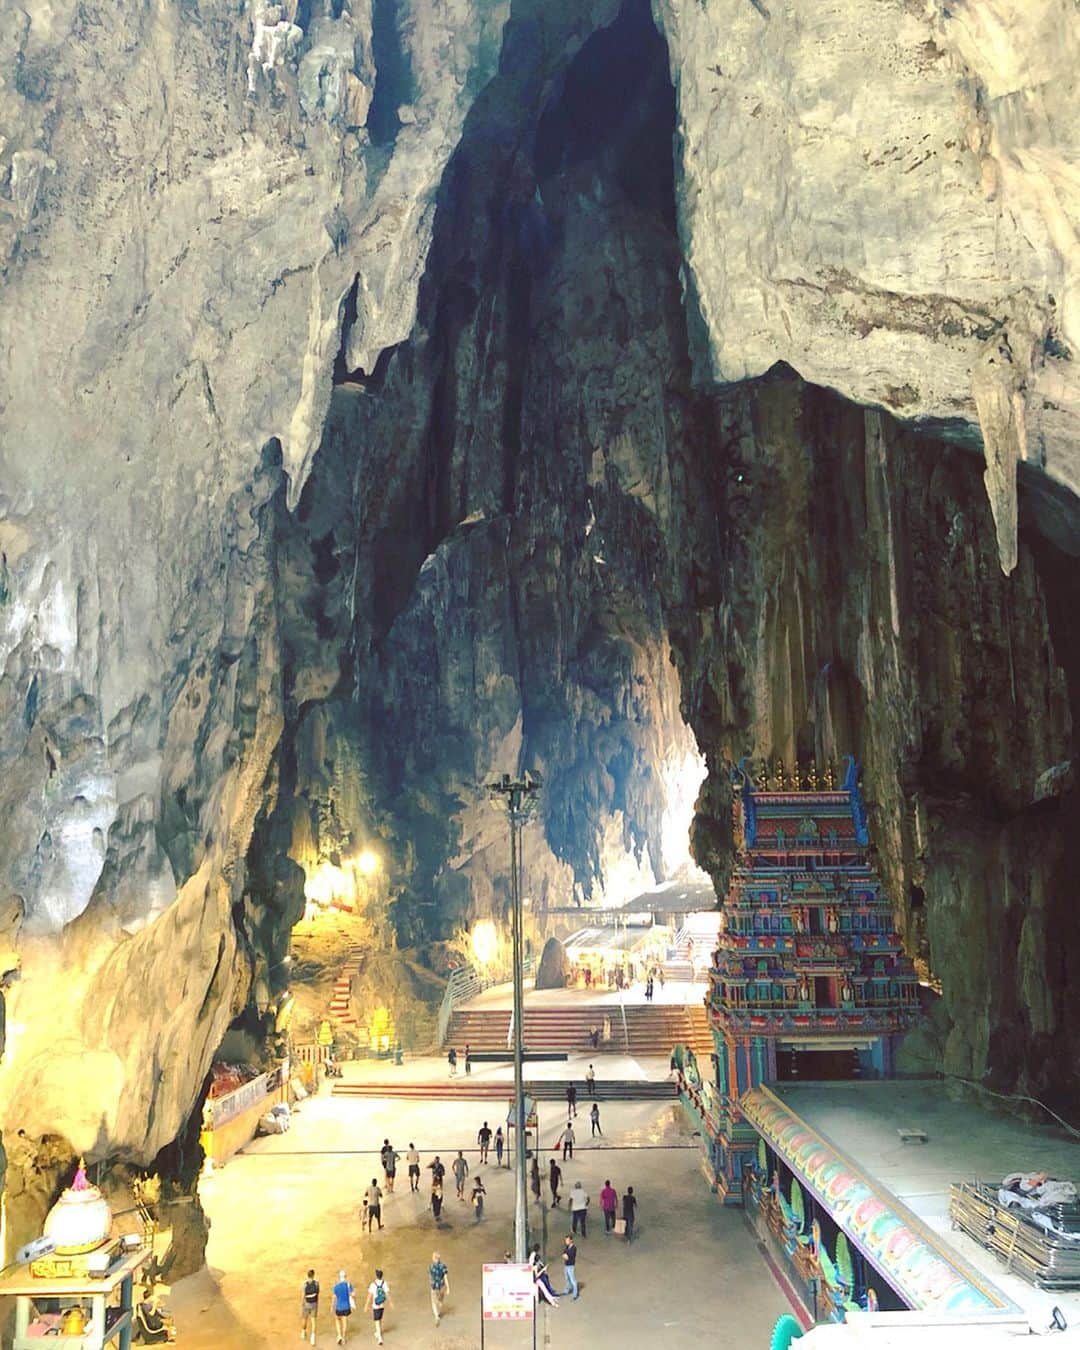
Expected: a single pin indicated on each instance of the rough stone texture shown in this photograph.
(515, 517)
(180, 228)
(551, 972)
(884, 194)
(855, 602)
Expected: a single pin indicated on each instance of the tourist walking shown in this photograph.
(468, 1060)
(461, 1171)
(483, 1138)
(377, 1301)
(660, 972)
(594, 1037)
(389, 1158)
(590, 1080)
(344, 1305)
(477, 1198)
(309, 1307)
(499, 1144)
(607, 1030)
(569, 1256)
(440, 1285)
(541, 1278)
(451, 1059)
(554, 1178)
(436, 1199)
(568, 1142)
(534, 1179)
(571, 1100)
(579, 1208)
(373, 1197)
(609, 1203)
(437, 1169)
(629, 1210)
(594, 1117)
(412, 1157)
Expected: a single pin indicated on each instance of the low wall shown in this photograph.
(236, 1117)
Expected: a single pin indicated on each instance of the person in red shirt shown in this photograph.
(609, 1203)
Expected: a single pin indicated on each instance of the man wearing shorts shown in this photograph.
(378, 1296)
(309, 1307)
(412, 1157)
(440, 1285)
(343, 1306)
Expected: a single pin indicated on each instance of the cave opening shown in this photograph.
(486, 592)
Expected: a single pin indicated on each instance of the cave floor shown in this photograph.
(965, 1142)
(291, 1201)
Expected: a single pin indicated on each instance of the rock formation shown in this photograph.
(551, 972)
(386, 406)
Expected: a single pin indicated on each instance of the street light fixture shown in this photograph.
(520, 795)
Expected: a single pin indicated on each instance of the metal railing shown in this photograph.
(465, 983)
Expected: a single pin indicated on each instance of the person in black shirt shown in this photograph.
(309, 1308)
(629, 1209)
(569, 1257)
(554, 1177)
(483, 1138)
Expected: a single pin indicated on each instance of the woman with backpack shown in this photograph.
(378, 1299)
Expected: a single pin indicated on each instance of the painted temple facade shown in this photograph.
(808, 980)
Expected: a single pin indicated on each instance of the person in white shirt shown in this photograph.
(579, 1207)
(378, 1298)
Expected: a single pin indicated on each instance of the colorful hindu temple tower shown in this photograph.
(808, 980)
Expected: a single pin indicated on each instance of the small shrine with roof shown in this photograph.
(808, 980)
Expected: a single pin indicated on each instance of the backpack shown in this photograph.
(380, 1294)
(311, 1291)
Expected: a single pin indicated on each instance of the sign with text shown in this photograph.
(508, 1293)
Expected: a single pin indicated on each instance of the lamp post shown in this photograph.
(520, 796)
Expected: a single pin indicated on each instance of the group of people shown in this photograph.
(344, 1303)
(460, 1169)
(579, 1213)
(452, 1059)
(657, 973)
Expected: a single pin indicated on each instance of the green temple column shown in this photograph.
(759, 1057)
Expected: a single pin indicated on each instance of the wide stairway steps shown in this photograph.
(466, 1087)
(650, 1029)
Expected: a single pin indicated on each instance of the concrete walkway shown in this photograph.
(694, 1275)
(674, 992)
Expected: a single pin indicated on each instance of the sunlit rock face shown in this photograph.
(885, 195)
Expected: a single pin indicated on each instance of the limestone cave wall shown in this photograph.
(390, 399)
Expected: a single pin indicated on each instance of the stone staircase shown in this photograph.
(340, 1011)
(650, 1029)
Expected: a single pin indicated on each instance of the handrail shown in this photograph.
(463, 984)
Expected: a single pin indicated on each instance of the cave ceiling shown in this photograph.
(398, 394)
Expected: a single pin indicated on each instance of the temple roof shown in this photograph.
(895, 1241)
